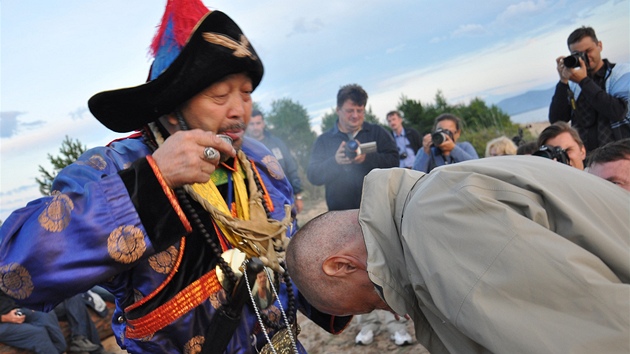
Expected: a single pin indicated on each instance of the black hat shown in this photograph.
(216, 48)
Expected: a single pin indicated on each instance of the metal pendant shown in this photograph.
(281, 342)
(234, 259)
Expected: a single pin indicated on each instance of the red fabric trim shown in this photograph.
(169, 194)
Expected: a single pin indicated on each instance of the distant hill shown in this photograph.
(526, 102)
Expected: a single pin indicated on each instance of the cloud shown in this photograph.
(78, 113)
(34, 124)
(438, 39)
(472, 30)
(395, 49)
(522, 9)
(304, 26)
(9, 123)
(16, 191)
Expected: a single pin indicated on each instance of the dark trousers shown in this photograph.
(75, 312)
(40, 333)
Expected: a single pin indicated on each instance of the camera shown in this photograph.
(439, 136)
(573, 60)
(554, 153)
(354, 148)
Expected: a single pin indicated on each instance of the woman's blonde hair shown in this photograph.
(502, 145)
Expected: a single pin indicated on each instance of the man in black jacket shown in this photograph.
(340, 166)
(407, 139)
(593, 93)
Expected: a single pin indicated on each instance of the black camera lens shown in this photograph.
(440, 135)
(403, 155)
(573, 60)
(553, 153)
(351, 149)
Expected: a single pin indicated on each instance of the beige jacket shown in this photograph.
(504, 255)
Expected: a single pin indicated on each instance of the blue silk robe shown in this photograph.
(111, 224)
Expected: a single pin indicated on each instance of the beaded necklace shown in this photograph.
(152, 138)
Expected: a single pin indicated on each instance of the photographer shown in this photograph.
(560, 134)
(592, 92)
(341, 168)
(441, 146)
(407, 139)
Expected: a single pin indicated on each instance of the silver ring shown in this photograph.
(210, 153)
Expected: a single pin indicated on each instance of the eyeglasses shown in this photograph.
(349, 111)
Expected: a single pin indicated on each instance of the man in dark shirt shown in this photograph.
(594, 94)
(343, 174)
(257, 129)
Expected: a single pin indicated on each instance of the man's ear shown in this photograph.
(340, 265)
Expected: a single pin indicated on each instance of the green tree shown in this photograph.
(256, 107)
(414, 115)
(70, 151)
(328, 120)
(290, 122)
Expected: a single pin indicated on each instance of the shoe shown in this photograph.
(81, 344)
(401, 338)
(365, 337)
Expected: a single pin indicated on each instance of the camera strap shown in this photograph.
(571, 97)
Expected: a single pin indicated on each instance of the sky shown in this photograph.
(54, 55)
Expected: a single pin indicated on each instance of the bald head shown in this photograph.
(327, 260)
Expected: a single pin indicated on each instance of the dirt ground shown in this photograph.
(318, 341)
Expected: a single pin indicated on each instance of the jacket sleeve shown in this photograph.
(322, 167)
(97, 224)
(414, 139)
(560, 109)
(531, 245)
(612, 108)
(421, 162)
(464, 151)
(6, 304)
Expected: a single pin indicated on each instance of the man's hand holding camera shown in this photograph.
(570, 72)
(347, 153)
